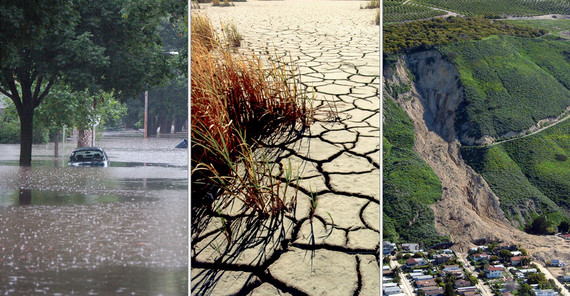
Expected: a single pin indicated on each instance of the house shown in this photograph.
(516, 253)
(426, 283)
(422, 277)
(392, 290)
(479, 248)
(388, 247)
(433, 291)
(441, 258)
(557, 263)
(480, 257)
(548, 292)
(565, 278)
(412, 262)
(462, 284)
(516, 260)
(565, 236)
(494, 272)
(528, 270)
(412, 247)
(450, 267)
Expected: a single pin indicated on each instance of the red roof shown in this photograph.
(493, 268)
(411, 261)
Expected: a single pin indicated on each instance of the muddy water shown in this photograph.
(120, 230)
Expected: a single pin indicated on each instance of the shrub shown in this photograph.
(9, 132)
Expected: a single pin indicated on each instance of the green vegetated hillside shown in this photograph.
(557, 27)
(510, 82)
(410, 185)
(501, 8)
(531, 175)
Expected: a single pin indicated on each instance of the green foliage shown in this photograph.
(506, 81)
(9, 130)
(553, 26)
(410, 185)
(438, 31)
(540, 225)
(526, 175)
(501, 8)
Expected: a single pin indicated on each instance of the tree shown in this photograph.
(540, 225)
(564, 227)
(505, 254)
(110, 45)
(526, 290)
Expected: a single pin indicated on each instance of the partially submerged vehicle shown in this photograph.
(89, 156)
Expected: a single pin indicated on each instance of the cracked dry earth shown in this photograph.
(335, 44)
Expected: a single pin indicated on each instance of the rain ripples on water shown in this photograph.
(95, 231)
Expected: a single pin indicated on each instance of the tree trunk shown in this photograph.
(179, 123)
(56, 144)
(84, 138)
(26, 134)
(166, 125)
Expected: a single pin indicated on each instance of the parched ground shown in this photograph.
(335, 44)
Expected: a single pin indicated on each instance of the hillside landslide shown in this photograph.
(468, 210)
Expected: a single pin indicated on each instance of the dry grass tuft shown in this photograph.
(237, 101)
(371, 4)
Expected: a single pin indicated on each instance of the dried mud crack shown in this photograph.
(330, 249)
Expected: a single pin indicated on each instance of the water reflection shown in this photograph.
(95, 231)
(25, 197)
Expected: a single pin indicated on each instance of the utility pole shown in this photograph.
(145, 114)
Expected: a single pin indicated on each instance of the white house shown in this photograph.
(392, 290)
(494, 272)
(388, 247)
(412, 247)
(548, 292)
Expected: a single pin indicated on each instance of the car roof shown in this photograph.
(88, 149)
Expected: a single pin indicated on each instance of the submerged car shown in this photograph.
(88, 156)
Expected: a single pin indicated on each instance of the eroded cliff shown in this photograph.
(469, 209)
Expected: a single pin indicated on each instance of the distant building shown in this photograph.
(426, 283)
(480, 257)
(462, 284)
(388, 247)
(412, 247)
(442, 258)
(494, 272)
(516, 260)
(392, 290)
(548, 292)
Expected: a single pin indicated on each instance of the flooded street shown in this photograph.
(120, 230)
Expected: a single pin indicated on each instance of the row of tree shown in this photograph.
(68, 53)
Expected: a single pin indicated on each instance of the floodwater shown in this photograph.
(120, 230)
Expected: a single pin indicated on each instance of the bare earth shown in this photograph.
(335, 44)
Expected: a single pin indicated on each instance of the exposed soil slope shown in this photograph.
(468, 209)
